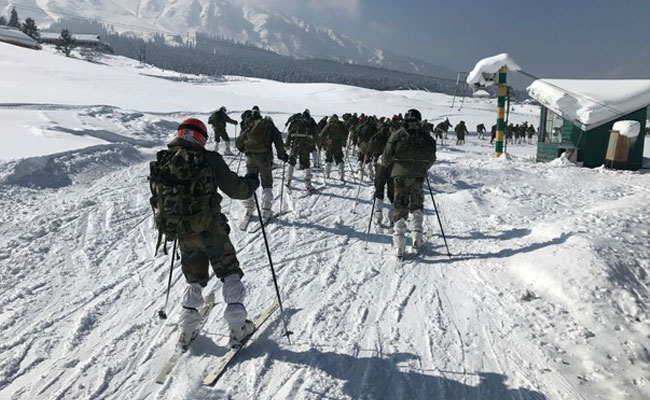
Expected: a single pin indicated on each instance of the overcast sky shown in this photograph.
(550, 38)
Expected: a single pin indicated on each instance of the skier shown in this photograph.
(218, 120)
(334, 136)
(366, 131)
(480, 131)
(255, 142)
(313, 127)
(246, 115)
(378, 144)
(190, 210)
(301, 139)
(410, 152)
(461, 131)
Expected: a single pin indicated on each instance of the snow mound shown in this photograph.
(63, 169)
(484, 71)
(630, 129)
(562, 161)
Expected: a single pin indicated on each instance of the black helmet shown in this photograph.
(306, 112)
(256, 108)
(413, 115)
(223, 108)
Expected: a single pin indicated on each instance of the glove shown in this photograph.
(283, 156)
(253, 180)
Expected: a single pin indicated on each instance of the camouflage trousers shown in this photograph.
(210, 247)
(220, 133)
(383, 183)
(301, 154)
(409, 196)
(334, 152)
(261, 164)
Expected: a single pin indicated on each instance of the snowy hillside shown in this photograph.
(544, 298)
(267, 28)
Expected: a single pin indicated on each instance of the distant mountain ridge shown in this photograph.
(259, 26)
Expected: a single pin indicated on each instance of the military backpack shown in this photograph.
(182, 188)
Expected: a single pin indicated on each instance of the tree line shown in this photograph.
(217, 56)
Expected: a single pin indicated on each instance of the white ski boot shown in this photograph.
(289, 176)
(190, 320)
(267, 203)
(378, 217)
(226, 150)
(234, 292)
(399, 238)
(328, 169)
(308, 184)
(416, 230)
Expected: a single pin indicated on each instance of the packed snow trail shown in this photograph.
(79, 263)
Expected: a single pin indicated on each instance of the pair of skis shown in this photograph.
(219, 367)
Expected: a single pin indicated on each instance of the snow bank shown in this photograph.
(17, 37)
(63, 169)
(484, 72)
(591, 102)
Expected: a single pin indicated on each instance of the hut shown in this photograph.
(577, 116)
(16, 37)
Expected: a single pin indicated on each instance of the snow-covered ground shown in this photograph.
(544, 298)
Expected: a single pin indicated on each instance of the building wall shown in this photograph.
(592, 144)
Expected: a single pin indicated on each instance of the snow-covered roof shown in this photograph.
(589, 103)
(75, 36)
(17, 37)
(484, 70)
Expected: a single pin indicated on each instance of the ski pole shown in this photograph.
(234, 159)
(284, 165)
(435, 207)
(287, 332)
(238, 165)
(162, 314)
(372, 211)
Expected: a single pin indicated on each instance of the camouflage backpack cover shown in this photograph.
(182, 188)
(257, 138)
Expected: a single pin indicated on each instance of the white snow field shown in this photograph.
(545, 296)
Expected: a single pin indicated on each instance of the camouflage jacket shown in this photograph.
(410, 152)
(218, 120)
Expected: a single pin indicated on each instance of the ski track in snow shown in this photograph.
(78, 261)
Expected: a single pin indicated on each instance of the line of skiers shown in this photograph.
(185, 180)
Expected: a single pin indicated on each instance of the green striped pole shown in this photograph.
(501, 111)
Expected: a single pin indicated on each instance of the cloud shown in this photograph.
(350, 9)
(346, 8)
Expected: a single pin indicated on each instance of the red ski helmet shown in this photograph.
(193, 130)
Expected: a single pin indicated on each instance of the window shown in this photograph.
(552, 128)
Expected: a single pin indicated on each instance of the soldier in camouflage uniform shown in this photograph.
(480, 131)
(382, 175)
(246, 116)
(365, 133)
(205, 241)
(410, 152)
(218, 120)
(301, 139)
(255, 141)
(461, 131)
(334, 137)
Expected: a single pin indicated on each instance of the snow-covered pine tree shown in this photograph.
(30, 29)
(65, 43)
(13, 19)
(3, 20)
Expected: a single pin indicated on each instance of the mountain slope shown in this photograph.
(263, 27)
